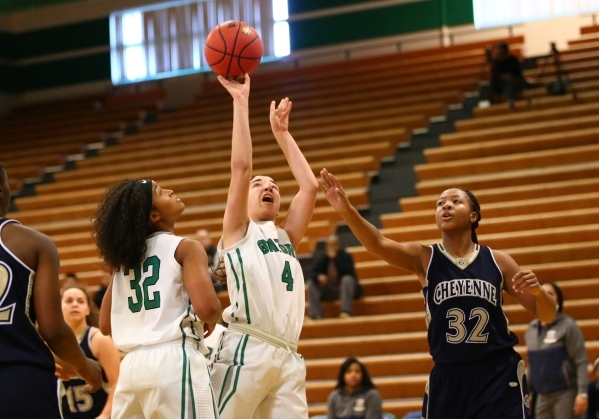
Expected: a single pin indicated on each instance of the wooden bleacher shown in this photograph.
(535, 172)
(36, 137)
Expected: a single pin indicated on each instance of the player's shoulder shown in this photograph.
(502, 258)
(28, 234)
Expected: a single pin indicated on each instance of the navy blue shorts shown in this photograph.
(28, 392)
(491, 389)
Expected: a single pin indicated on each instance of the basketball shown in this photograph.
(233, 48)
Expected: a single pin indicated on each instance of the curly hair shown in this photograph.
(219, 271)
(120, 226)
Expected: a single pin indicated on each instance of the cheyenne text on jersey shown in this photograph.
(465, 288)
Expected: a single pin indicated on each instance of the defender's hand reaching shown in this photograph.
(333, 191)
(279, 116)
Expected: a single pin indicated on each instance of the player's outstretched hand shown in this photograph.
(208, 329)
(526, 281)
(238, 88)
(279, 116)
(92, 374)
(333, 191)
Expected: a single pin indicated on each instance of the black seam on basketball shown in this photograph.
(216, 50)
(240, 56)
(222, 37)
(245, 58)
(233, 49)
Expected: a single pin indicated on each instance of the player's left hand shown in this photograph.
(581, 404)
(208, 329)
(279, 116)
(526, 282)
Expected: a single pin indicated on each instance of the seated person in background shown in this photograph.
(203, 236)
(333, 277)
(355, 396)
(506, 74)
(593, 410)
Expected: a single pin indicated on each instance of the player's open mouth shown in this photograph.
(268, 198)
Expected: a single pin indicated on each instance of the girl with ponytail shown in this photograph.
(462, 284)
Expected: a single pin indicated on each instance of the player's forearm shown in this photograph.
(545, 309)
(105, 310)
(63, 343)
(301, 170)
(107, 411)
(241, 148)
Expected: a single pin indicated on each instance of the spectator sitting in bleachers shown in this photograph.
(506, 75)
(355, 396)
(333, 277)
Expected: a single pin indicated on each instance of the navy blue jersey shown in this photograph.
(19, 341)
(79, 405)
(465, 318)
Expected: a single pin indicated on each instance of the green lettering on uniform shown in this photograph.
(263, 246)
(154, 302)
(135, 307)
(290, 249)
(284, 249)
(272, 246)
(142, 292)
(287, 277)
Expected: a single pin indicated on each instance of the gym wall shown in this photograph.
(61, 43)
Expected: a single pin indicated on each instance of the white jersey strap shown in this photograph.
(264, 336)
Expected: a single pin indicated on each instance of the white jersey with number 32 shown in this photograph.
(149, 303)
(265, 281)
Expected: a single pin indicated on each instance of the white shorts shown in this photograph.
(254, 379)
(164, 381)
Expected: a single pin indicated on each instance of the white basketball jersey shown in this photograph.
(265, 281)
(149, 303)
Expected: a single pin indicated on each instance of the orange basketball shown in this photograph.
(233, 48)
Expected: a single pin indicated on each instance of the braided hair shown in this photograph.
(475, 206)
